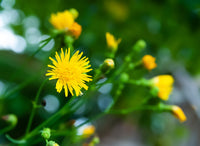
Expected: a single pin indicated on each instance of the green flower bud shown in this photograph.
(107, 65)
(128, 58)
(46, 133)
(52, 143)
(11, 119)
(139, 46)
(124, 77)
(96, 140)
(74, 12)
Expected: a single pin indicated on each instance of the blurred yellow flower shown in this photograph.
(88, 131)
(112, 42)
(119, 10)
(164, 84)
(70, 72)
(75, 30)
(62, 20)
(149, 62)
(178, 113)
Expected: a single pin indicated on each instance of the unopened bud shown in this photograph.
(74, 12)
(178, 113)
(46, 133)
(107, 65)
(139, 46)
(52, 143)
(11, 119)
(96, 140)
(124, 77)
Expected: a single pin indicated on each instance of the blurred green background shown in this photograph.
(171, 30)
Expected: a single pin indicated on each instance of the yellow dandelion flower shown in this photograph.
(75, 30)
(88, 131)
(164, 84)
(70, 72)
(178, 113)
(149, 62)
(112, 42)
(62, 20)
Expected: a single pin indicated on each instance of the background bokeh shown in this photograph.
(171, 30)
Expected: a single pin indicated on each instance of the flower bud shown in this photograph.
(139, 46)
(107, 65)
(46, 133)
(124, 77)
(149, 62)
(178, 113)
(88, 131)
(96, 140)
(11, 119)
(74, 12)
(165, 85)
(112, 43)
(75, 30)
(52, 143)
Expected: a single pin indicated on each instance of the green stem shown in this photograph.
(64, 110)
(34, 107)
(158, 107)
(118, 92)
(141, 82)
(126, 111)
(14, 140)
(70, 45)
(6, 129)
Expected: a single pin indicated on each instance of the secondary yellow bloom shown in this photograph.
(178, 113)
(88, 131)
(149, 62)
(70, 72)
(164, 84)
(62, 20)
(112, 42)
(75, 30)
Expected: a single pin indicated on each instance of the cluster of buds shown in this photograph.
(161, 86)
(46, 134)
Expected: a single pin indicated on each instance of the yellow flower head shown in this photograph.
(178, 113)
(75, 30)
(149, 62)
(62, 20)
(88, 131)
(70, 72)
(112, 42)
(164, 84)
